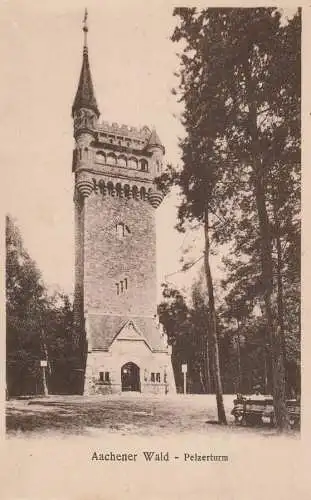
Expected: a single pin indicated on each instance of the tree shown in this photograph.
(59, 345)
(174, 315)
(38, 325)
(25, 303)
(240, 86)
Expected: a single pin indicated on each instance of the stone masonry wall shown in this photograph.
(120, 353)
(110, 259)
(78, 313)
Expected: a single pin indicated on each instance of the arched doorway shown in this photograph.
(130, 378)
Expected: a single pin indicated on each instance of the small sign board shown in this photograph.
(43, 362)
(184, 368)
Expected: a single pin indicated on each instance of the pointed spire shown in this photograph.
(85, 96)
(154, 140)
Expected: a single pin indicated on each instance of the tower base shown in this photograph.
(114, 374)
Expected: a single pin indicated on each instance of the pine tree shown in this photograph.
(240, 86)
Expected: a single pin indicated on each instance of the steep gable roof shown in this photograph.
(104, 329)
(130, 331)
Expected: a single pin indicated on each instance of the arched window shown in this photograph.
(122, 286)
(122, 230)
(142, 193)
(144, 165)
(133, 163)
(86, 152)
(118, 190)
(135, 192)
(111, 159)
(100, 157)
(126, 191)
(110, 188)
(101, 186)
(122, 161)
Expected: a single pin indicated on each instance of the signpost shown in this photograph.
(184, 372)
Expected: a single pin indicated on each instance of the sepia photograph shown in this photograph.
(152, 251)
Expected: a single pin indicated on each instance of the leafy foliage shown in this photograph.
(38, 325)
(239, 82)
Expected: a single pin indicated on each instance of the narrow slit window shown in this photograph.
(122, 286)
(152, 377)
(158, 377)
(101, 376)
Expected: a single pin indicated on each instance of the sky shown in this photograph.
(133, 62)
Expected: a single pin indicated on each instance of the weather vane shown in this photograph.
(85, 27)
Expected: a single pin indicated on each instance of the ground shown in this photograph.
(126, 414)
(51, 442)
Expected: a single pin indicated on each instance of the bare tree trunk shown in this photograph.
(239, 360)
(280, 295)
(212, 331)
(208, 368)
(46, 355)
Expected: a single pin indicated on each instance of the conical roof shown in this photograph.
(154, 140)
(85, 96)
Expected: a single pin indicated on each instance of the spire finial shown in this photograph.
(85, 28)
(85, 96)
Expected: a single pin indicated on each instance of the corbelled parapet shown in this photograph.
(155, 197)
(84, 184)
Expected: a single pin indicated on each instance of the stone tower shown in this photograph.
(115, 250)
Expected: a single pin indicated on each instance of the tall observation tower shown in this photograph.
(115, 200)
